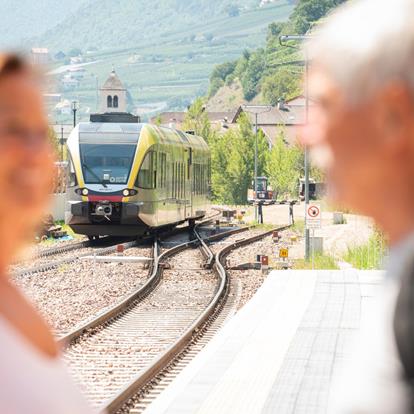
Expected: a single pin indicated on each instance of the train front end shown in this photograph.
(102, 197)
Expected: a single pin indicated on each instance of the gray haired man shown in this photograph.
(362, 130)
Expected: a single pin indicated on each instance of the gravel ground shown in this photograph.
(336, 238)
(76, 291)
(218, 245)
(35, 261)
(105, 362)
(252, 279)
(39, 248)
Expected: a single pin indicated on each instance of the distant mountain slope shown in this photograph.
(26, 19)
(114, 23)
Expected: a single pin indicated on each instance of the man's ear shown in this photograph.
(395, 116)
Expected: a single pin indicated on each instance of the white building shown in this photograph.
(113, 95)
(40, 55)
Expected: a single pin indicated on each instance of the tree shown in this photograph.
(219, 75)
(252, 75)
(232, 160)
(54, 140)
(310, 11)
(196, 120)
(283, 166)
(281, 84)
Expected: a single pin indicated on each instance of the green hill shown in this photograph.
(113, 23)
(163, 50)
(269, 73)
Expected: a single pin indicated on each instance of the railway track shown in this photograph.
(122, 349)
(151, 381)
(70, 253)
(119, 344)
(136, 294)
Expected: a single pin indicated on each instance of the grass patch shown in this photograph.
(299, 227)
(264, 226)
(320, 262)
(370, 255)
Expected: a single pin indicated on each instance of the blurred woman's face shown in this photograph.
(26, 161)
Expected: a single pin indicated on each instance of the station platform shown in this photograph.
(281, 351)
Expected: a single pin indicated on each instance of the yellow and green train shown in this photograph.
(128, 179)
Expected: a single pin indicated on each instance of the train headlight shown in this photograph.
(85, 191)
(128, 192)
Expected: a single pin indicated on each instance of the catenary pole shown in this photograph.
(307, 161)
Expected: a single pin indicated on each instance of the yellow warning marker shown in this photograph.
(284, 253)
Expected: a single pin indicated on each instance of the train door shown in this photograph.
(188, 184)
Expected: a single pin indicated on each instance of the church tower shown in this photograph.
(113, 95)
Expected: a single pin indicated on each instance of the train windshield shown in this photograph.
(109, 163)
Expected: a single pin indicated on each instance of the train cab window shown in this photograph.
(109, 162)
(147, 175)
(115, 101)
(109, 101)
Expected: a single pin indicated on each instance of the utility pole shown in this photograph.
(62, 142)
(256, 110)
(74, 109)
(307, 163)
(97, 94)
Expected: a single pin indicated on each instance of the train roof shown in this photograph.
(95, 132)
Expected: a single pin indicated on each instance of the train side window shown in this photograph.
(193, 183)
(172, 179)
(178, 180)
(201, 179)
(162, 169)
(189, 162)
(72, 181)
(182, 181)
(175, 180)
(147, 175)
(204, 178)
(164, 163)
(195, 178)
(154, 169)
(177, 170)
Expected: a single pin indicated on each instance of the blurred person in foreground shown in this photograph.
(32, 377)
(362, 130)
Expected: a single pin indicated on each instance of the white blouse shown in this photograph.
(31, 382)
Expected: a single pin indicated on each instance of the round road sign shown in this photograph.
(313, 211)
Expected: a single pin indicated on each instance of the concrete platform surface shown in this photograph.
(281, 351)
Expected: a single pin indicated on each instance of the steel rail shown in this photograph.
(55, 263)
(138, 294)
(214, 306)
